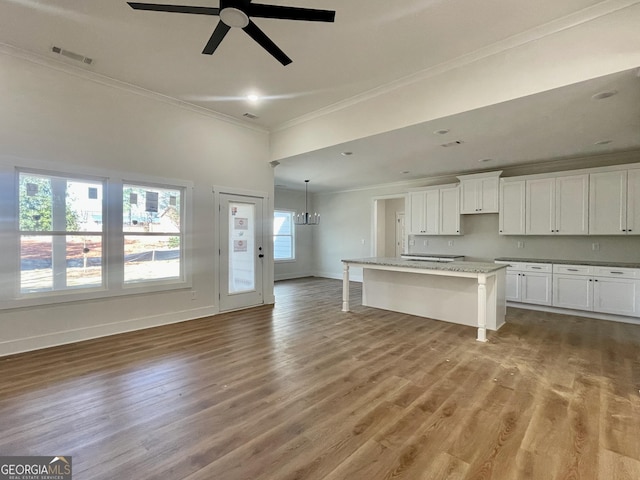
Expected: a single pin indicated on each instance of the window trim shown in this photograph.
(113, 237)
(293, 257)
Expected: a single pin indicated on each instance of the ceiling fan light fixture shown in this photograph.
(234, 17)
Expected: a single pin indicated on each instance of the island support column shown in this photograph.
(345, 287)
(482, 307)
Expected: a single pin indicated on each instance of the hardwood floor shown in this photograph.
(304, 391)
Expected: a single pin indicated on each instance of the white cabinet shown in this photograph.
(435, 211)
(449, 211)
(557, 205)
(512, 207)
(479, 193)
(529, 283)
(614, 203)
(597, 289)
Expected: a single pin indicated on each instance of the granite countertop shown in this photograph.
(570, 262)
(455, 266)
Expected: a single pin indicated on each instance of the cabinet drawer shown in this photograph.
(538, 267)
(616, 272)
(573, 269)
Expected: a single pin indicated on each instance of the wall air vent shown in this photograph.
(452, 144)
(250, 115)
(72, 55)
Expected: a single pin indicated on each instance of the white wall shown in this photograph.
(592, 43)
(55, 115)
(302, 266)
(348, 221)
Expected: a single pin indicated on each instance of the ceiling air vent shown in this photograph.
(452, 144)
(72, 55)
(250, 115)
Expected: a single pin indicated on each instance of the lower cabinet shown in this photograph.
(528, 283)
(589, 288)
(597, 289)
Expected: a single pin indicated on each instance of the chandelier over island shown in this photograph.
(306, 218)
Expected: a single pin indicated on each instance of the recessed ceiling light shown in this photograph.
(603, 95)
(442, 131)
(252, 97)
(603, 142)
(346, 154)
(485, 160)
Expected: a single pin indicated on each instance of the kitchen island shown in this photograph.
(468, 293)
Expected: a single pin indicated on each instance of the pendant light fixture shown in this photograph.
(306, 218)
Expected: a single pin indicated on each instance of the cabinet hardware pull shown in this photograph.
(536, 268)
(572, 269)
(617, 273)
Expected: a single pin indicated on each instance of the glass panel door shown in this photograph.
(241, 251)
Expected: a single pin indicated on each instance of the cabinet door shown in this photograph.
(633, 202)
(431, 212)
(573, 291)
(512, 286)
(416, 213)
(450, 211)
(488, 195)
(616, 295)
(511, 216)
(536, 288)
(608, 203)
(540, 206)
(470, 195)
(572, 205)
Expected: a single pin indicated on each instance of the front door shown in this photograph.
(241, 251)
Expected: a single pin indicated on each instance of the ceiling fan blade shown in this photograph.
(158, 7)
(259, 36)
(290, 13)
(216, 37)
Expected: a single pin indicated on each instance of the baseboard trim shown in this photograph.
(22, 345)
(576, 313)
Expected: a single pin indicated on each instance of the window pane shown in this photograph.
(282, 223)
(50, 203)
(35, 199)
(242, 260)
(51, 263)
(282, 248)
(151, 257)
(151, 209)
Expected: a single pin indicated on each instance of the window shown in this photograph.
(74, 236)
(283, 236)
(61, 234)
(152, 231)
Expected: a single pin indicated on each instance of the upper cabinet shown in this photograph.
(512, 207)
(479, 193)
(614, 203)
(557, 205)
(435, 211)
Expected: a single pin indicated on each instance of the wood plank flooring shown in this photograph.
(304, 391)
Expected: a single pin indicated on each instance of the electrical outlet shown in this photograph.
(520, 244)
(194, 294)
(451, 243)
(363, 241)
(595, 246)
(426, 243)
(412, 243)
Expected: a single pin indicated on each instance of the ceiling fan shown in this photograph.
(238, 14)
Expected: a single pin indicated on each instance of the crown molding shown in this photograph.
(572, 20)
(61, 66)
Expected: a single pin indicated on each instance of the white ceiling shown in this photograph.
(372, 43)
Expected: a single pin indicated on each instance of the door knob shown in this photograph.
(260, 256)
